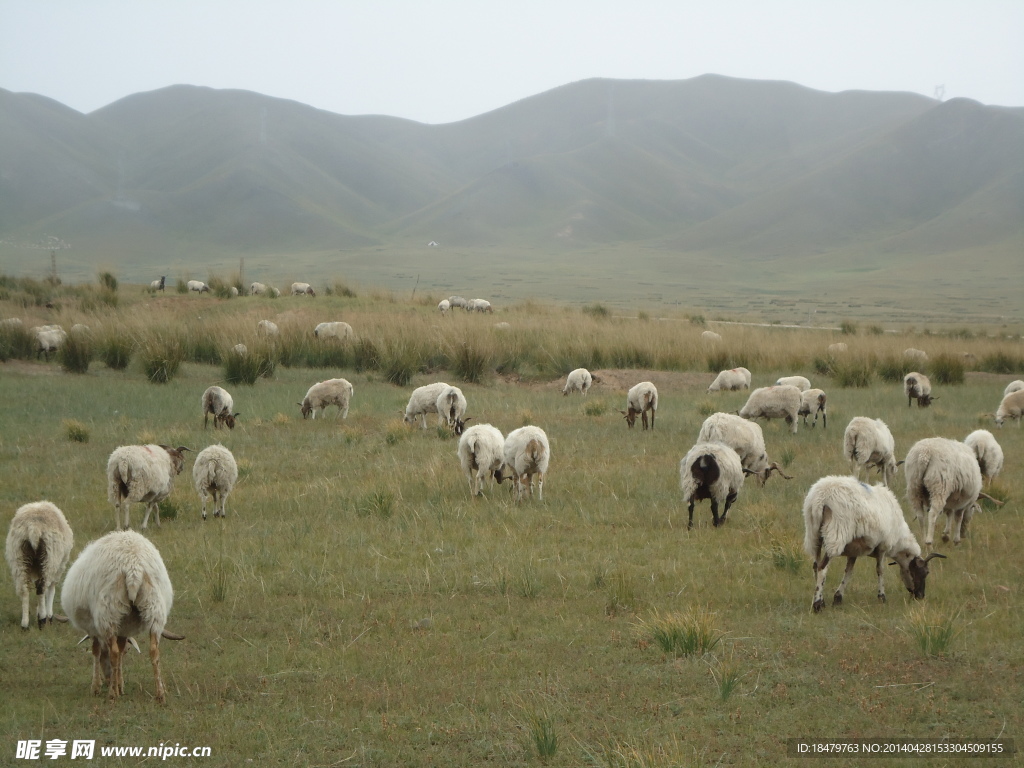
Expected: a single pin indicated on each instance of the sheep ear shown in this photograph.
(171, 635)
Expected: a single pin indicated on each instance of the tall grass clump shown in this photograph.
(543, 734)
(947, 369)
(115, 349)
(241, 369)
(108, 282)
(1002, 362)
(76, 353)
(693, 633)
(597, 310)
(161, 355)
(853, 372)
(893, 369)
(933, 633)
(181, 286)
(399, 361)
(365, 356)
(16, 342)
(75, 431)
(341, 289)
(471, 363)
(848, 328)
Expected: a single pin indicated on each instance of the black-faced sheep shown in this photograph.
(813, 401)
(744, 437)
(451, 409)
(198, 286)
(422, 401)
(302, 289)
(217, 402)
(916, 386)
(640, 399)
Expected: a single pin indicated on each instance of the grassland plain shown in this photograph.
(357, 607)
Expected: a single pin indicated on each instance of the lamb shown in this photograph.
(988, 453)
(336, 330)
(943, 476)
(1011, 407)
(158, 285)
(1013, 386)
(800, 382)
(710, 337)
(578, 380)
(214, 474)
(48, 339)
(915, 355)
(643, 397)
(330, 392)
(843, 516)
(217, 402)
(117, 588)
(744, 437)
(813, 401)
(778, 402)
(732, 379)
(267, 328)
(710, 471)
(198, 286)
(443, 306)
(481, 453)
(479, 305)
(458, 301)
(302, 289)
(869, 443)
(423, 401)
(39, 544)
(451, 408)
(917, 386)
(143, 473)
(526, 455)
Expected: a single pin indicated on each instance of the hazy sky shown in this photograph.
(447, 60)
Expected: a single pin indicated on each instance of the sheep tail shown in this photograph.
(134, 579)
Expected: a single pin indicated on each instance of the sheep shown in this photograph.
(324, 393)
(917, 386)
(915, 355)
(158, 285)
(578, 380)
(837, 349)
(39, 544)
(988, 453)
(843, 516)
(643, 397)
(869, 443)
(217, 402)
(214, 473)
(503, 326)
(273, 292)
(451, 408)
(143, 473)
(11, 322)
(479, 305)
(800, 382)
(233, 291)
(48, 339)
(778, 402)
(527, 454)
(336, 330)
(1012, 406)
(744, 437)
(302, 289)
(80, 329)
(257, 289)
(198, 286)
(443, 306)
(943, 476)
(117, 588)
(1013, 386)
(710, 337)
(458, 301)
(732, 379)
(423, 401)
(813, 401)
(710, 471)
(240, 349)
(481, 453)
(267, 328)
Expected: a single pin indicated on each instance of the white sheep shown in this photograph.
(868, 443)
(443, 306)
(943, 476)
(710, 337)
(257, 289)
(158, 285)
(915, 355)
(640, 399)
(778, 402)
(217, 402)
(711, 471)
(48, 339)
(481, 453)
(731, 380)
(916, 386)
(214, 474)
(451, 408)
(11, 322)
(813, 401)
(527, 455)
(143, 473)
(843, 516)
(479, 305)
(988, 452)
(80, 329)
(578, 380)
(267, 328)
(39, 544)
(302, 289)
(503, 326)
(240, 349)
(1013, 386)
(1012, 406)
(744, 437)
(118, 588)
(837, 349)
(800, 382)
(233, 291)
(422, 401)
(335, 330)
(458, 301)
(198, 286)
(330, 392)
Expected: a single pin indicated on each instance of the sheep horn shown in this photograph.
(82, 640)
(934, 554)
(997, 502)
(171, 635)
(181, 448)
(777, 468)
(135, 645)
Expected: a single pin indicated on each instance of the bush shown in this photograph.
(1001, 362)
(108, 281)
(161, 357)
(182, 286)
(853, 373)
(597, 310)
(241, 369)
(75, 354)
(76, 431)
(893, 369)
(115, 350)
(16, 342)
(471, 364)
(947, 369)
(848, 328)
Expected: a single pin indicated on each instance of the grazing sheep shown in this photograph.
(240, 349)
(813, 401)
(917, 386)
(915, 355)
(800, 382)
(843, 516)
(214, 474)
(732, 379)
(302, 289)
(267, 328)
(422, 401)
(943, 476)
(710, 336)
(451, 408)
(11, 322)
(988, 453)
(479, 305)
(443, 306)
(330, 392)
(458, 301)
(710, 471)
(158, 285)
(1011, 407)
(198, 286)
(274, 292)
(257, 289)
(117, 588)
(336, 330)
(39, 544)
(48, 339)
(869, 443)
(79, 328)
(143, 473)
(778, 402)
(218, 403)
(1013, 386)
(233, 291)
(744, 437)
(578, 380)
(527, 454)
(481, 453)
(837, 349)
(643, 397)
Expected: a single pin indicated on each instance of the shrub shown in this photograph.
(341, 289)
(366, 356)
(115, 350)
(471, 364)
(848, 328)
(108, 281)
(932, 633)
(597, 310)
(182, 286)
(893, 369)
(241, 369)
(693, 633)
(399, 363)
(16, 342)
(947, 369)
(76, 431)
(75, 354)
(1001, 362)
(161, 357)
(853, 373)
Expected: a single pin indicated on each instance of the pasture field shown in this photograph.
(357, 607)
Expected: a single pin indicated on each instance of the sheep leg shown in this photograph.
(24, 593)
(820, 569)
(793, 424)
(729, 500)
(879, 570)
(50, 592)
(934, 510)
(116, 687)
(689, 524)
(716, 521)
(202, 495)
(540, 486)
(97, 668)
(154, 657)
(837, 598)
